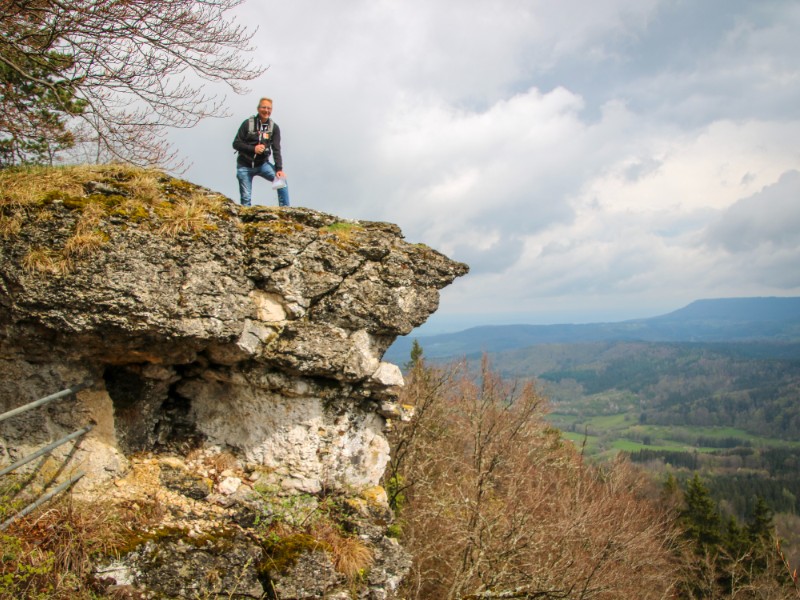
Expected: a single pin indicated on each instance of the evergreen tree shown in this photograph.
(736, 539)
(36, 105)
(126, 69)
(415, 355)
(760, 527)
(670, 487)
(700, 518)
(760, 530)
(734, 558)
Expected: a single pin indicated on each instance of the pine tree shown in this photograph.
(119, 72)
(759, 532)
(700, 518)
(36, 108)
(415, 355)
(760, 527)
(736, 539)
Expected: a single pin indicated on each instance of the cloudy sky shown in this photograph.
(591, 160)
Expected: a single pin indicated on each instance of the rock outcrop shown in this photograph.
(204, 327)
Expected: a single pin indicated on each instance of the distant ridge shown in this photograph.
(775, 319)
(738, 309)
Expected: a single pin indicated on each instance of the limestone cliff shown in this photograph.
(203, 327)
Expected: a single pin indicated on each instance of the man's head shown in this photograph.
(264, 108)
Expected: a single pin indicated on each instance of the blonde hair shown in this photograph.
(265, 98)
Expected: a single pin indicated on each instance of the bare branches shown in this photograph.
(138, 65)
(499, 507)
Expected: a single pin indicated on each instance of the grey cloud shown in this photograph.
(525, 213)
(769, 218)
(779, 271)
(642, 168)
(494, 259)
(695, 62)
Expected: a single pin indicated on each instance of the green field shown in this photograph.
(605, 435)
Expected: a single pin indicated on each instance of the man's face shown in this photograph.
(264, 110)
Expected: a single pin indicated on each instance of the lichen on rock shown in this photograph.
(257, 332)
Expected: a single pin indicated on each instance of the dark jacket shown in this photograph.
(245, 143)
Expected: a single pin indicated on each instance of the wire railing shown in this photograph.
(44, 497)
(42, 401)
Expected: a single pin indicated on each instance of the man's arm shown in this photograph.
(240, 141)
(276, 148)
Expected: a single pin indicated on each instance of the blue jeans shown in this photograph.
(245, 176)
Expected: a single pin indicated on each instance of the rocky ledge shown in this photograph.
(203, 327)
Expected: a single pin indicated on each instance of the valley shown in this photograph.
(711, 389)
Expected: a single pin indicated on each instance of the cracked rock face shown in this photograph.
(261, 333)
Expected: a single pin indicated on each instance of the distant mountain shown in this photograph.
(737, 310)
(714, 320)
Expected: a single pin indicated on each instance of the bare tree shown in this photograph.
(125, 69)
(497, 506)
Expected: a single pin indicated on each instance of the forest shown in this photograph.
(729, 412)
(752, 387)
(736, 476)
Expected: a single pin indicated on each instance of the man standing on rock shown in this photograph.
(257, 137)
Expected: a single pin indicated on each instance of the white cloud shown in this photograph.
(577, 154)
(644, 239)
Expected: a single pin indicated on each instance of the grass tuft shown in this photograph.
(349, 554)
(10, 226)
(146, 186)
(341, 232)
(50, 553)
(29, 185)
(297, 524)
(44, 260)
(187, 215)
(85, 244)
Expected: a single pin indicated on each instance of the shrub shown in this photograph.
(49, 553)
(497, 505)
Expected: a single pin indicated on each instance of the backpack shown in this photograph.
(251, 127)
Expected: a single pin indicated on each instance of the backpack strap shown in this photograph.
(251, 126)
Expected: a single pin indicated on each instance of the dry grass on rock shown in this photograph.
(50, 553)
(105, 198)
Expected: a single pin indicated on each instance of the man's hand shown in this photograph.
(280, 174)
(260, 148)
